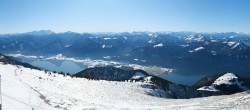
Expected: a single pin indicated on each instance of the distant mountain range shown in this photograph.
(188, 52)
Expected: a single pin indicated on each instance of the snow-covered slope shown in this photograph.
(228, 83)
(16, 94)
(25, 88)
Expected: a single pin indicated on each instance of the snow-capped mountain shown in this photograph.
(40, 33)
(227, 83)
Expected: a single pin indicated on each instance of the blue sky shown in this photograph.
(18, 16)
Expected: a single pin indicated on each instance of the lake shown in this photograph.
(183, 79)
(65, 66)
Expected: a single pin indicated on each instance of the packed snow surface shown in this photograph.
(25, 88)
(138, 75)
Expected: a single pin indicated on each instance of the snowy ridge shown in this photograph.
(235, 45)
(196, 49)
(208, 88)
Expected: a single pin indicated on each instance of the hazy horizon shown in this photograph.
(121, 32)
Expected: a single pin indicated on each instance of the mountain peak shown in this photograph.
(226, 79)
(227, 83)
(41, 32)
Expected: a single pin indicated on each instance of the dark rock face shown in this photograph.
(207, 81)
(108, 73)
(229, 89)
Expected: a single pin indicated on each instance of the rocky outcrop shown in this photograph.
(227, 83)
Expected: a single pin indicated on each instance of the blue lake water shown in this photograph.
(182, 79)
(65, 66)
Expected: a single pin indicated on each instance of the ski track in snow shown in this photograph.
(25, 88)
